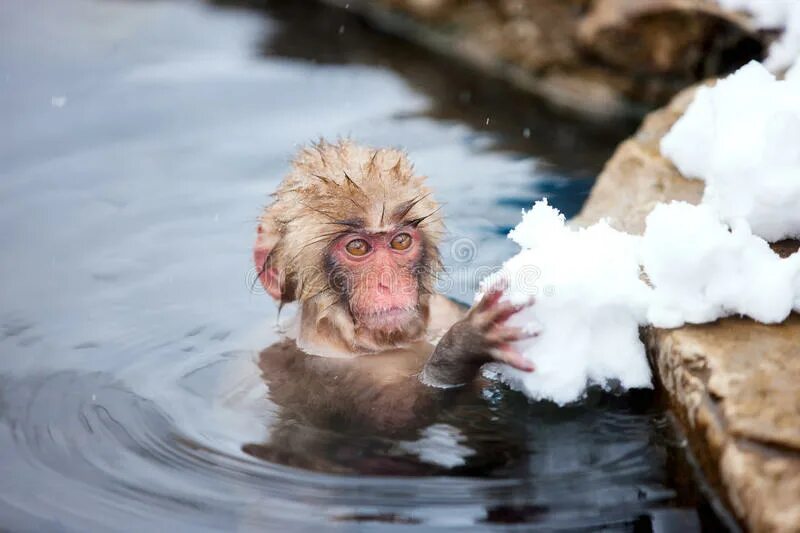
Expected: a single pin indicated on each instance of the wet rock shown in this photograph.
(593, 56)
(734, 384)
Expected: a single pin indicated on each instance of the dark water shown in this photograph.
(139, 141)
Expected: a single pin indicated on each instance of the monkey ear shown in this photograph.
(269, 276)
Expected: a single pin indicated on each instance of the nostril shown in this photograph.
(385, 283)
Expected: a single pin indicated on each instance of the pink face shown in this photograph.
(377, 273)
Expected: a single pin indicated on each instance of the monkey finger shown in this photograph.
(500, 285)
(512, 358)
(501, 334)
(503, 311)
(490, 298)
(507, 311)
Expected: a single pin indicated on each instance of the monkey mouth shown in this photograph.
(387, 319)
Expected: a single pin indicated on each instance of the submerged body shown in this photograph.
(381, 391)
(346, 415)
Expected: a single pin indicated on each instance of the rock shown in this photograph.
(594, 56)
(669, 37)
(734, 384)
(637, 177)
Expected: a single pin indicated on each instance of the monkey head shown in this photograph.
(352, 235)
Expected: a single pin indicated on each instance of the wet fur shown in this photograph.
(332, 189)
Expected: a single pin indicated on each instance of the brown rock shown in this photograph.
(734, 384)
(678, 37)
(593, 56)
(637, 177)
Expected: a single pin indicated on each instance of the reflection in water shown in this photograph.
(372, 416)
(140, 140)
(111, 453)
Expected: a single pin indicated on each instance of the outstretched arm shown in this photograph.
(482, 336)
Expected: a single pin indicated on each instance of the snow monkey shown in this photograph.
(351, 236)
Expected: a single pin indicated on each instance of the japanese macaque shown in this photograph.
(352, 237)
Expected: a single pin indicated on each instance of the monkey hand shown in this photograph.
(489, 335)
(482, 336)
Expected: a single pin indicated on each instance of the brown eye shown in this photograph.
(401, 241)
(357, 247)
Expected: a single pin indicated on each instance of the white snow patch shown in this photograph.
(793, 75)
(742, 137)
(591, 297)
(701, 270)
(589, 305)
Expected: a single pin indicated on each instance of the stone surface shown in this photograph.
(637, 177)
(593, 56)
(734, 384)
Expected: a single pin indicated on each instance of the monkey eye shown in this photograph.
(401, 241)
(357, 247)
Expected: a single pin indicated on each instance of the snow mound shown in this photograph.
(701, 270)
(592, 297)
(701, 262)
(589, 305)
(742, 137)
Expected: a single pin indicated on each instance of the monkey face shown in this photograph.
(352, 236)
(376, 275)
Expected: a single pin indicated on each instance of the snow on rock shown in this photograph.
(589, 305)
(771, 15)
(701, 270)
(591, 296)
(742, 137)
(701, 262)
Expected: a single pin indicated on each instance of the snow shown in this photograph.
(742, 137)
(793, 75)
(589, 305)
(702, 270)
(770, 15)
(766, 13)
(700, 262)
(591, 296)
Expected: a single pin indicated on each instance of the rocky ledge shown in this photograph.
(596, 57)
(733, 384)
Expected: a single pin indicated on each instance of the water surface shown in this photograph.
(140, 140)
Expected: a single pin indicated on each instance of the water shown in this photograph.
(139, 141)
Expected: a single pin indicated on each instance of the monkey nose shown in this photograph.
(385, 282)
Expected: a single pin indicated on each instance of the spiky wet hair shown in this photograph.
(334, 188)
